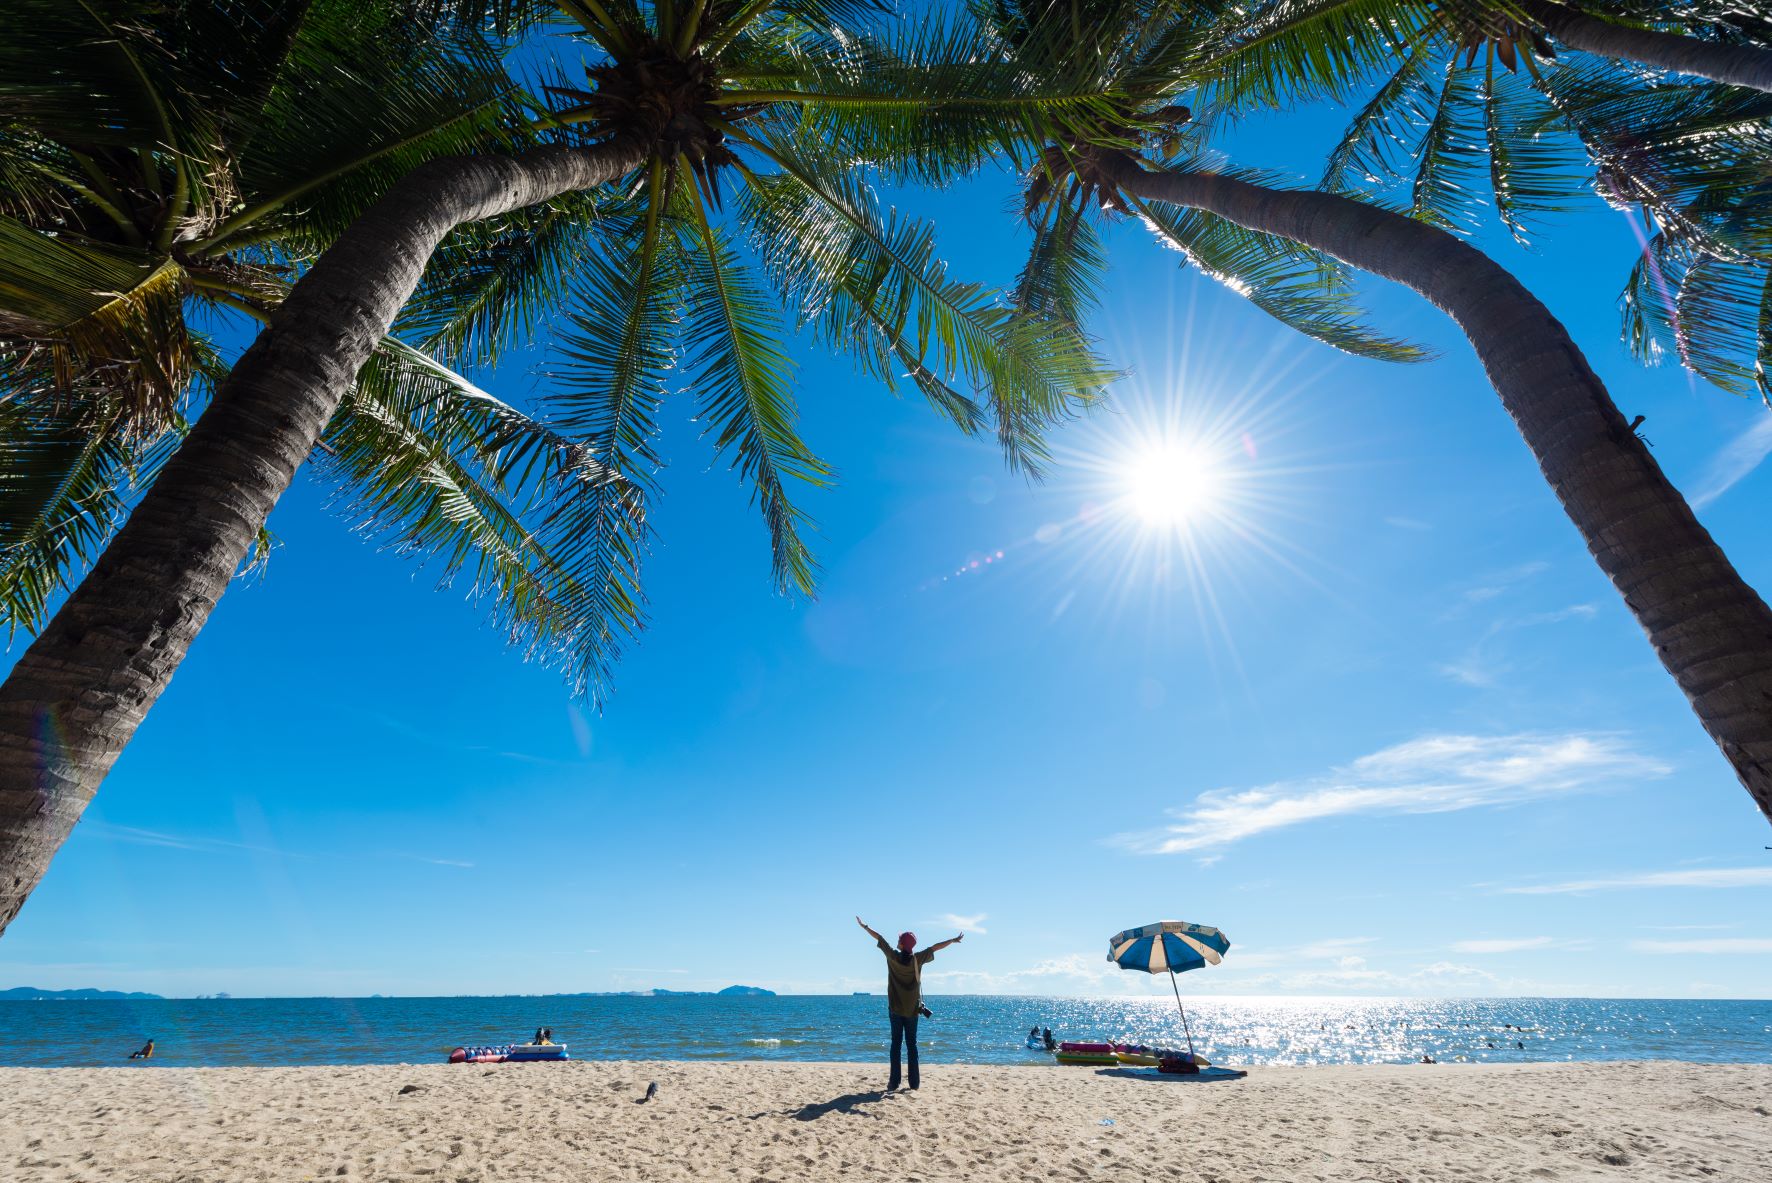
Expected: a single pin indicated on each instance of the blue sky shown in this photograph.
(1380, 718)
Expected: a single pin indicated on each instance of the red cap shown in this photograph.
(907, 941)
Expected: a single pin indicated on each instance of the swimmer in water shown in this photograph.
(146, 1052)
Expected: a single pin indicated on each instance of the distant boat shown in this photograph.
(861, 994)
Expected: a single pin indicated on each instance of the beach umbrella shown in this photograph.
(1174, 946)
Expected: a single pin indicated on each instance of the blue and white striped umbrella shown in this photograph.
(1168, 946)
(1172, 947)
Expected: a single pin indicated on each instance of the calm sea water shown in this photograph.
(970, 1029)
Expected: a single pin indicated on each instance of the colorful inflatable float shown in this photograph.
(510, 1053)
(1109, 1055)
(1086, 1054)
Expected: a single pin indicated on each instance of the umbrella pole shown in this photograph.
(1183, 1010)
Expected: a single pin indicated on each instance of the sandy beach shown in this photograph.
(739, 1121)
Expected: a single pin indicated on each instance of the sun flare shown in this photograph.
(1169, 485)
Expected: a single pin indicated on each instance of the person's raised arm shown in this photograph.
(870, 931)
(940, 945)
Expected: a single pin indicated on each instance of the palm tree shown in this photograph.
(1280, 49)
(163, 166)
(1712, 631)
(1443, 131)
(685, 100)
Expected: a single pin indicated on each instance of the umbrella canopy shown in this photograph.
(1168, 946)
(1172, 947)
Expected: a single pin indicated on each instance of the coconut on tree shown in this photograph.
(681, 143)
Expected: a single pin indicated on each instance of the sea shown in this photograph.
(969, 1029)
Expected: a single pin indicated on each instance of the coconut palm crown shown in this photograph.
(239, 137)
(1467, 105)
(164, 167)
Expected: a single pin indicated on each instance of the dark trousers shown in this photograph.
(904, 1031)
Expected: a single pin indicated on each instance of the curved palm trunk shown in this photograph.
(1711, 630)
(81, 689)
(1739, 65)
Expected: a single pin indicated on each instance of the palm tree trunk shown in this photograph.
(1738, 65)
(1710, 629)
(82, 688)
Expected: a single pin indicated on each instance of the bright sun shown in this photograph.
(1171, 484)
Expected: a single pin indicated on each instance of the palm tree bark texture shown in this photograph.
(84, 685)
(1738, 65)
(1709, 628)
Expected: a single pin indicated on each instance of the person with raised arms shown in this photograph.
(904, 993)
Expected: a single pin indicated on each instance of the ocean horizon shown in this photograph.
(965, 1029)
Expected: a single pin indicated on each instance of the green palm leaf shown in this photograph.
(107, 319)
(431, 466)
(65, 485)
(745, 384)
(1304, 290)
(868, 279)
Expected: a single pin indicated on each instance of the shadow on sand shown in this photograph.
(1204, 1076)
(848, 1103)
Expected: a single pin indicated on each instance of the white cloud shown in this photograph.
(1327, 949)
(1071, 973)
(1711, 877)
(966, 924)
(1481, 669)
(1733, 461)
(1515, 945)
(1498, 582)
(1434, 774)
(1707, 945)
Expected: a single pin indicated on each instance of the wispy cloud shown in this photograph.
(1497, 582)
(967, 924)
(1337, 949)
(1709, 877)
(1686, 927)
(1481, 668)
(198, 844)
(1504, 945)
(1733, 461)
(1402, 523)
(1434, 774)
(1706, 945)
(139, 837)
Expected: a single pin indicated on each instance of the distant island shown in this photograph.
(32, 994)
(661, 992)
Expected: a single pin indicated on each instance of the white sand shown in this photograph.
(812, 1122)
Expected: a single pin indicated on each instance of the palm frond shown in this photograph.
(106, 319)
(1298, 287)
(431, 466)
(1534, 171)
(1445, 191)
(1062, 278)
(1715, 314)
(927, 100)
(745, 386)
(1278, 53)
(1384, 137)
(65, 485)
(357, 104)
(868, 279)
(493, 284)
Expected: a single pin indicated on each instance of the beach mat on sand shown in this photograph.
(1202, 1076)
